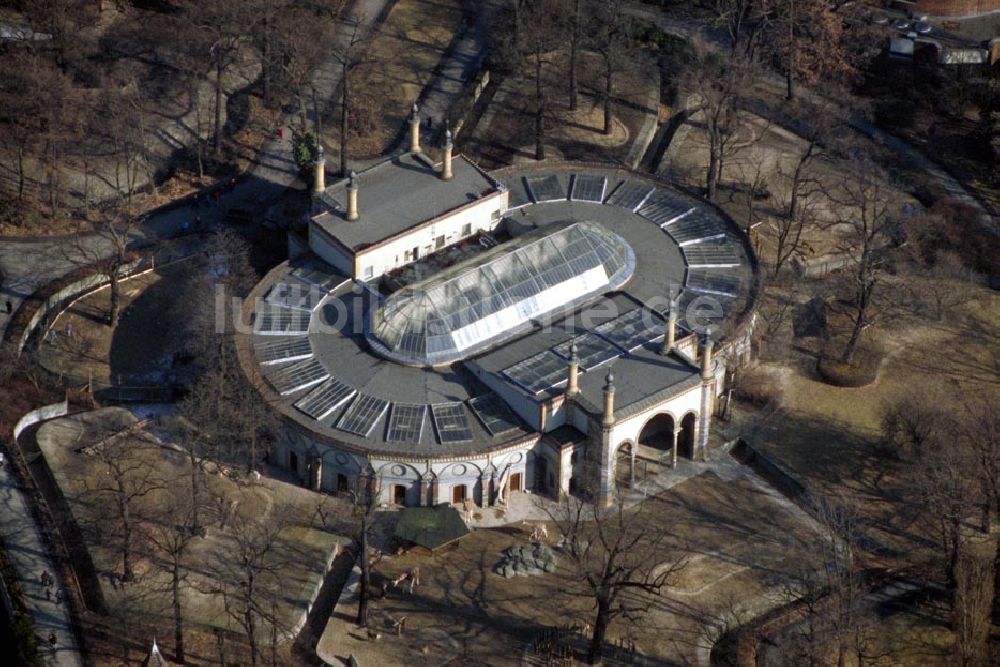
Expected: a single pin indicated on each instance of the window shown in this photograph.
(369, 272)
(439, 242)
(496, 215)
(408, 256)
(572, 458)
(466, 229)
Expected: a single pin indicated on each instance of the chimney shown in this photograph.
(352, 197)
(671, 334)
(319, 172)
(609, 400)
(446, 166)
(573, 386)
(707, 367)
(415, 130)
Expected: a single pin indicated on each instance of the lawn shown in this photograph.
(399, 64)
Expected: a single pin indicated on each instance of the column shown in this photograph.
(631, 466)
(317, 473)
(673, 447)
(485, 499)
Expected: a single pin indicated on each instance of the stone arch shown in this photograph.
(686, 435)
(658, 432)
(400, 484)
(624, 463)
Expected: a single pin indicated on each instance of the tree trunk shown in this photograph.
(713, 174)
(343, 120)
(126, 536)
(317, 111)
(249, 623)
(265, 65)
(574, 47)
(20, 173)
(608, 88)
(217, 139)
(114, 291)
(859, 325)
(790, 74)
(195, 513)
(178, 620)
(595, 651)
(365, 590)
(539, 109)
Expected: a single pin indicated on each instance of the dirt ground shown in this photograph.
(830, 436)
(769, 152)
(505, 134)
(140, 351)
(401, 62)
(738, 536)
(237, 511)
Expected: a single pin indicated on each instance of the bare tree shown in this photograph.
(717, 85)
(365, 502)
(575, 38)
(788, 232)
(251, 572)
(617, 558)
(129, 478)
(350, 50)
(829, 580)
(615, 41)
(170, 535)
(865, 201)
(814, 42)
(973, 608)
(223, 27)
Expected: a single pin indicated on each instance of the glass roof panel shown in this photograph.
(480, 302)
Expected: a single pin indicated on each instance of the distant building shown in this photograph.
(463, 335)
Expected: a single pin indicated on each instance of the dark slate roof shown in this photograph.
(399, 194)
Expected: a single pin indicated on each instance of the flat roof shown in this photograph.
(399, 194)
(638, 375)
(681, 244)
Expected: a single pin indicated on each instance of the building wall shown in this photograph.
(297, 452)
(954, 8)
(330, 253)
(484, 215)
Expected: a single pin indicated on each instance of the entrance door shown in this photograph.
(399, 494)
(293, 462)
(515, 482)
(458, 494)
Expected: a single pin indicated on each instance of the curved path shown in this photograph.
(30, 264)
(909, 153)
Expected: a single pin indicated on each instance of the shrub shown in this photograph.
(758, 387)
(305, 146)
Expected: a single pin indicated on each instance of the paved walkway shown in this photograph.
(29, 556)
(459, 68)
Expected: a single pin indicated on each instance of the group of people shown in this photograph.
(48, 581)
